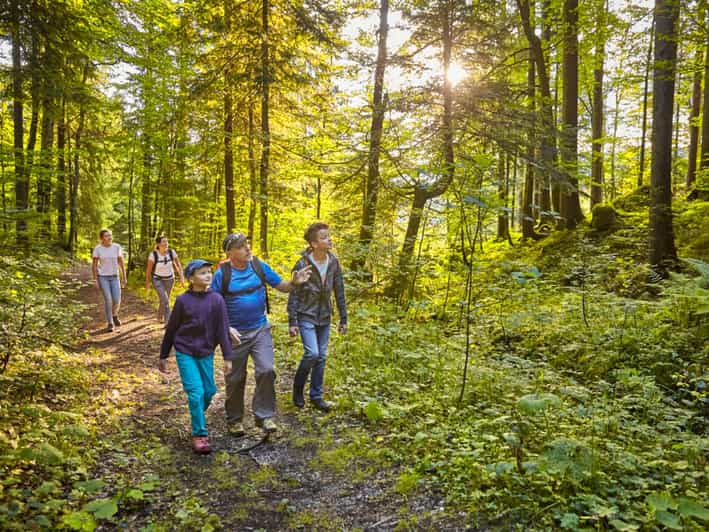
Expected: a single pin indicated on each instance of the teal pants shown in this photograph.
(197, 376)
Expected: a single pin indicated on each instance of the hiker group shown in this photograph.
(228, 308)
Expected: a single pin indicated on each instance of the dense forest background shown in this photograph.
(518, 191)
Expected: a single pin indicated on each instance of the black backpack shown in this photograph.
(170, 253)
(226, 279)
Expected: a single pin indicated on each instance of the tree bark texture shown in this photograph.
(662, 245)
(371, 187)
(597, 112)
(61, 172)
(704, 155)
(527, 214)
(265, 128)
(228, 133)
(425, 192)
(21, 181)
(692, 150)
(643, 135)
(253, 180)
(570, 204)
(547, 137)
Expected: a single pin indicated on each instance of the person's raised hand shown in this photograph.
(302, 275)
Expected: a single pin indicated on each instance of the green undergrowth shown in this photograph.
(47, 437)
(61, 410)
(585, 400)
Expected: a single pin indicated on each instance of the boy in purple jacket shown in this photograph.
(198, 323)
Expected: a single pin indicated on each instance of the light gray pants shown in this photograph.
(163, 286)
(259, 344)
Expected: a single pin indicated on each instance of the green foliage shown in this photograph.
(579, 403)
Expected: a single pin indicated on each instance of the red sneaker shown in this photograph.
(200, 445)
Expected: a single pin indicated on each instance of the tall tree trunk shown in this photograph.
(21, 182)
(371, 187)
(44, 179)
(694, 114)
(570, 205)
(597, 126)
(678, 88)
(228, 132)
(527, 214)
(704, 155)
(546, 139)
(75, 176)
(643, 136)
(146, 232)
(662, 245)
(503, 186)
(35, 93)
(614, 142)
(3, 192)
(131, 205)
(265, 127)
(253, 179)
(228, 158)
(61, 172)
(425, 192)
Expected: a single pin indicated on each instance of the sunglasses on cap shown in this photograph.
(234, 240)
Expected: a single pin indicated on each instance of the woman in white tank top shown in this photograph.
(160, 272)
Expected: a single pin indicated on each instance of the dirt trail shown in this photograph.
(301, 479)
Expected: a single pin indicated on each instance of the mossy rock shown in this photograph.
(604, 217)
(636, 200)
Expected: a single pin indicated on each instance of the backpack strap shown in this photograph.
(258, 268)
(170, 254)
(225, 267)
(155, 262)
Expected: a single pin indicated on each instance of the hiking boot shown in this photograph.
(301, 375)
(116, 321)
(110, 327)
(298, 399)
(268, 425)
(236, 429)
(321, 404)
(200, 445)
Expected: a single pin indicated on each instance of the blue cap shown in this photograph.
(195, 265)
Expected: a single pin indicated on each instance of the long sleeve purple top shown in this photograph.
(197, 324)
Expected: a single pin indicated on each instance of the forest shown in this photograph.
(517, 192)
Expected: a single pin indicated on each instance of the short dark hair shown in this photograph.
(311, 233)
(159, 238)
(103, 232)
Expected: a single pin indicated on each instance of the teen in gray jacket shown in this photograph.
(310, 312)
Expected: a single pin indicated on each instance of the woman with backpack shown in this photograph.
(160, 272)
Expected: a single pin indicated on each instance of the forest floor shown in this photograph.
(306, 477)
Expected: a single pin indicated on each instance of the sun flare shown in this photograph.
(456, 73)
